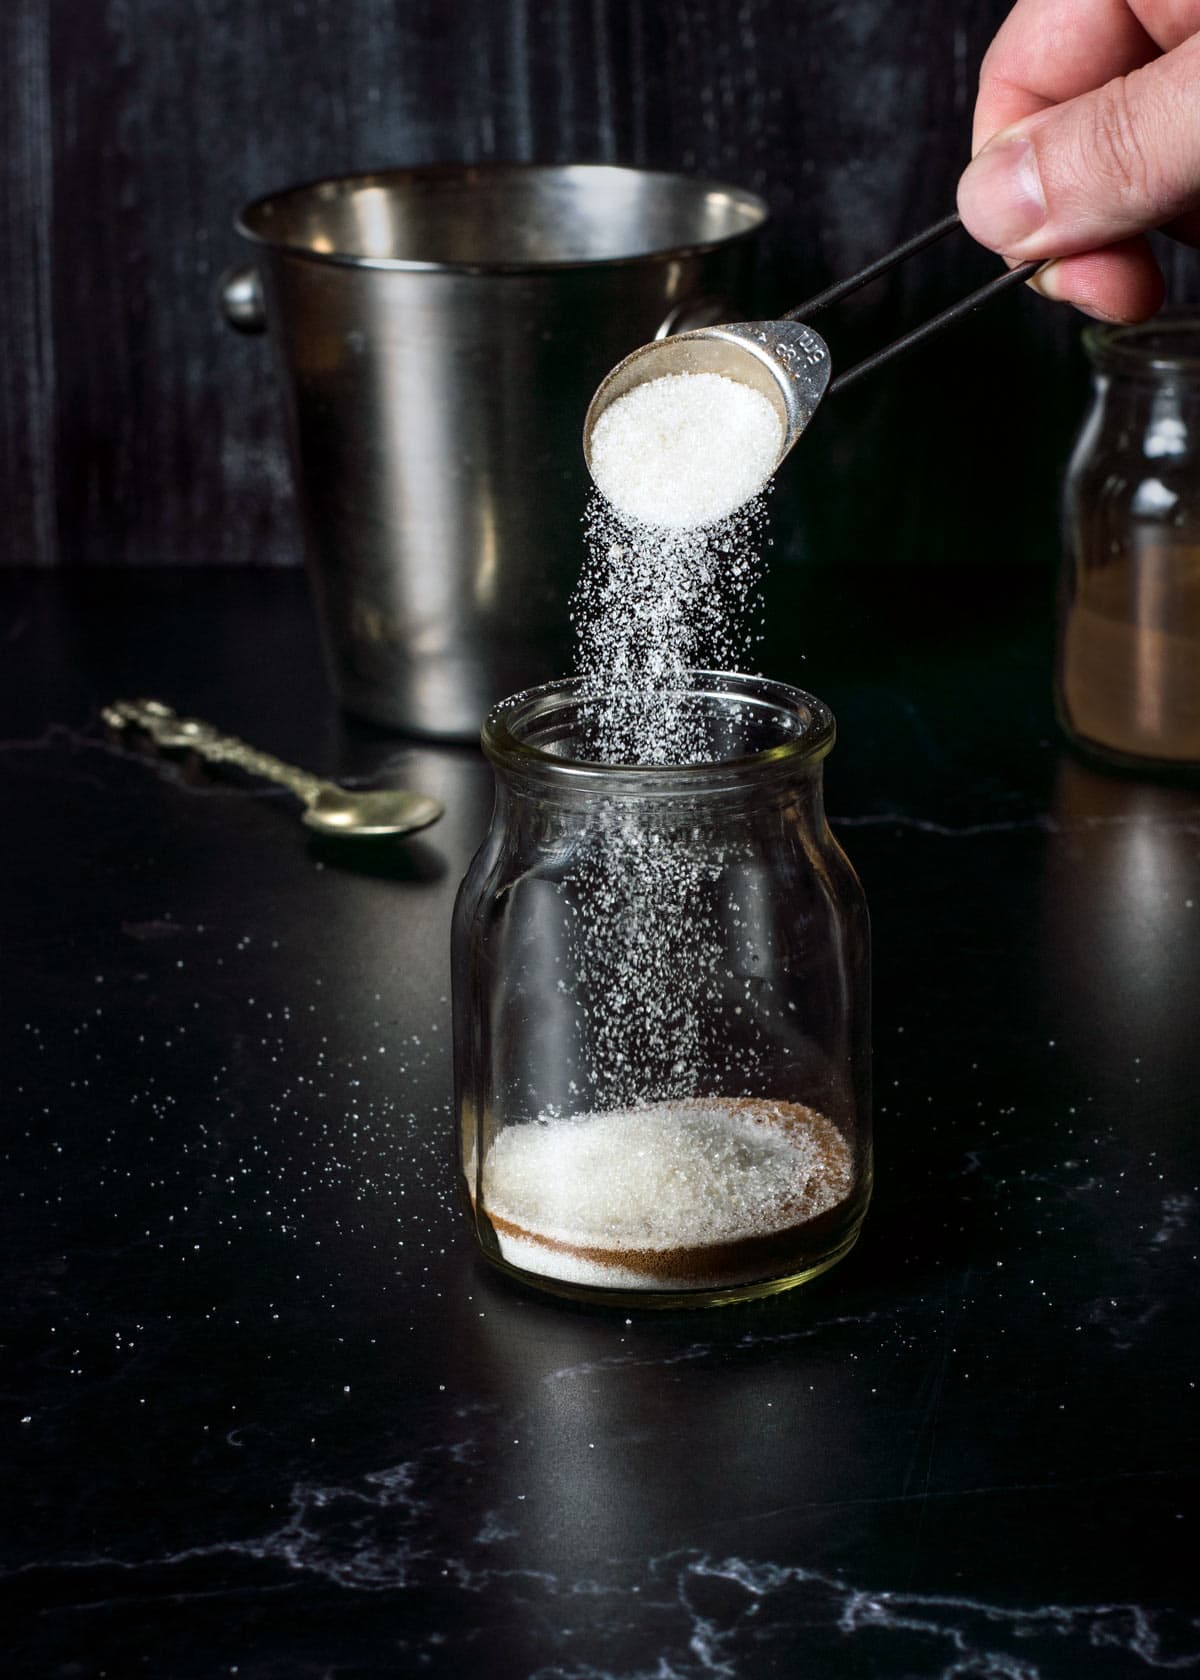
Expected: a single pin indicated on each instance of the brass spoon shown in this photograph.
(330, 809)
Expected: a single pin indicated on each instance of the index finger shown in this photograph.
(1047, 51)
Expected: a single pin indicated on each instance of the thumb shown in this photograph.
(1094, 169)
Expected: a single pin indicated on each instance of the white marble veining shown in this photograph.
(702, 1615)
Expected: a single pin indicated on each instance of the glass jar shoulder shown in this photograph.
(783, 841)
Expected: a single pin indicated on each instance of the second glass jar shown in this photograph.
(662, 1008)
(1128, 674)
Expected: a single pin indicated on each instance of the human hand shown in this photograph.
(1086, 134)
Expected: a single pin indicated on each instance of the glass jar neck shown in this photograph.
(557, 808)
(748, 737)
(1157, 355)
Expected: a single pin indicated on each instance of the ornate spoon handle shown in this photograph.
(168, 729)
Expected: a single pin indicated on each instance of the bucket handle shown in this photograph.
(692, 314)
(242, 302)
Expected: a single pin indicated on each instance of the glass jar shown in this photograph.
(661, 1007)
(1128, 667)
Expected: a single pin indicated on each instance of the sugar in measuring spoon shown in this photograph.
(685, 450)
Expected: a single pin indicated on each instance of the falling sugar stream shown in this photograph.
(656, 1182)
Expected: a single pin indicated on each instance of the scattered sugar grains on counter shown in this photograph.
(685, 450)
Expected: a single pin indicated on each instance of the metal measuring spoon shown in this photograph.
(786, 360)
(330, 809)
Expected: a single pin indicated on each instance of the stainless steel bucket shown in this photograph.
(439, 332)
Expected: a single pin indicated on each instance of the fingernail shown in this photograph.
(1000, 195)
(1046, 281)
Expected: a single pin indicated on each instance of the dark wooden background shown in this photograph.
(136, 428)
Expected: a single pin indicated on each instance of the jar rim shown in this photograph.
(1165, 343)
(506, 728)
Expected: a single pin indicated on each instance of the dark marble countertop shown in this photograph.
(269, 1415)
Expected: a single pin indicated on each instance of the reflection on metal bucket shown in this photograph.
(439, 333)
